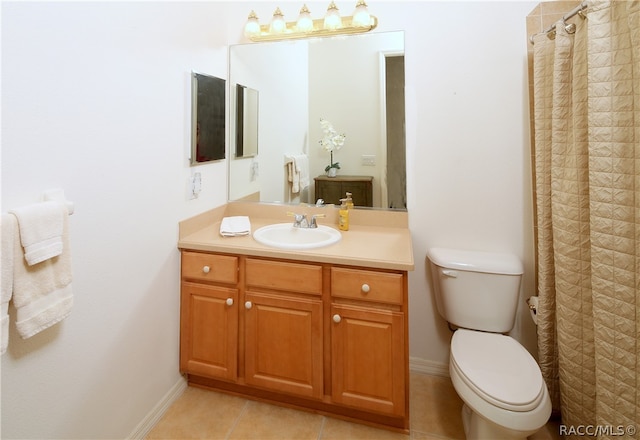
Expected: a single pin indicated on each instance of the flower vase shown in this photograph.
(332, 172)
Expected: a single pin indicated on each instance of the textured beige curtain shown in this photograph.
(587, 184)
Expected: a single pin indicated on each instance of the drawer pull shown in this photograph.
(206, 269)
(337, 318)
(229, 301)
(365, 288)
(248, 305)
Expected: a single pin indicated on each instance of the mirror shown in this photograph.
(207, 118)
(246, 121)
(357, 84)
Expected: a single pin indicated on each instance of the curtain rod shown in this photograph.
(577, 10)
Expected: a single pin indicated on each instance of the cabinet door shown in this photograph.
(209, 331)
(360, 192)
(283, 346)
(329, 191)
(368, 359)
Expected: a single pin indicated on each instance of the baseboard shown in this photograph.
(428, 367)
(145, 426)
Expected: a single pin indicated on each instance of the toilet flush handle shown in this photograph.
(450, 273)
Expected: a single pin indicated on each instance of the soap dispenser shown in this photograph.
(349, 201)
(343, 216)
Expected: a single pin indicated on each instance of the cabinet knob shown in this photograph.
(229, 301)
(248, 305)
(337, 318)
(206, 269)
(365, 288)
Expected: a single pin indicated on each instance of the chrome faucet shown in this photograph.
(301, 221)
(314, 223)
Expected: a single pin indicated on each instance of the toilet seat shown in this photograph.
(498, 369)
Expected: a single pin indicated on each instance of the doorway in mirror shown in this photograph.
(395, 116)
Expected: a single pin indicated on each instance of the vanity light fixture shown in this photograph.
(253, 26)
(278, 25)
(306, 27)
(361, 16)
(332, 20)
(305, 22)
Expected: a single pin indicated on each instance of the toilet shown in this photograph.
(500, 383)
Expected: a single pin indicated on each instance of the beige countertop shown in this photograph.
(376, 239)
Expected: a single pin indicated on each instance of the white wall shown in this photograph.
(347, 92)
(469, 181)
(279, 73)
(95, 99)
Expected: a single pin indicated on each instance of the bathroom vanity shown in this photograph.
(322, 329)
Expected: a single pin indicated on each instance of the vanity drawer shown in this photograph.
(210, 267)
(292, 277)
(367, 285)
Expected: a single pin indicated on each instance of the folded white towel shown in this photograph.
(41, 230)
(8, 224)
(234, 226)
(42, 293)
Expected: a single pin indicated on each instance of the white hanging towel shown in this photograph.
(235, 226)
(41, 230)
(293, 177)
(8, 224)
(302, 166)
(42, 293)
(298, 170)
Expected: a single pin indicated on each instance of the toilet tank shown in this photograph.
(476, 290)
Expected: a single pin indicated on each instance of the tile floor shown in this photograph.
(201, 414)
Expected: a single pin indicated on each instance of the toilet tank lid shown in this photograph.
(476, 261)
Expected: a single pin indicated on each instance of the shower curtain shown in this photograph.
(587, 200)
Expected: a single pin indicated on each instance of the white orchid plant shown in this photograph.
(332, 141)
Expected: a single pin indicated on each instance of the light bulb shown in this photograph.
(361, 17)
(252, 27)
(278, 25)
(332, 20)
(305, 23)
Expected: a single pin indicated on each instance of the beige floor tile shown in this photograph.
(435, 406)
(262, 421)
(199, 414)
(335, 429)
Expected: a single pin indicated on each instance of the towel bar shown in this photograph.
(57, 195)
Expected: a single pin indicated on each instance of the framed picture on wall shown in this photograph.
(246, 121)
(208, 118)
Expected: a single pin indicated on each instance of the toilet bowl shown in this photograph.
(501, 385)
(504, 394)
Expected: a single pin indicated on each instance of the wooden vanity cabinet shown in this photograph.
(368, 350)
(209, 315)
(283, 327)
(314, 335)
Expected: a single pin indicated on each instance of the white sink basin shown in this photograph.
(285, 236)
